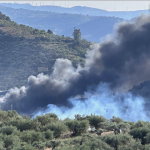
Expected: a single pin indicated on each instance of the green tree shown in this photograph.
(8, 130)
(77, 34)
(31, 136)
(45, 119)
(11, 140)
(49, 135)
(78, 127)
(140, 133)
(49, 31)
(58, 128)
(116, 119)
(95, 121)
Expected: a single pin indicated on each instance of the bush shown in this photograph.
(46, 119)
(78, 127)
(116, 119)
(31, 136)
(118, 140)
(8, 130)
(49, 135)
(95, 121)
(39, 145)
(1, 145)
(147, 147)
(27, 147)
(53, 143)
(148, 138)
(140, 133)
(11, 140)
(26, 124)
(58, 128)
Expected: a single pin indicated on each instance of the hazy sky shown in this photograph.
(107, 5)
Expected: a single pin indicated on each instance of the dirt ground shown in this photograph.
(107, 133)
(48, 149)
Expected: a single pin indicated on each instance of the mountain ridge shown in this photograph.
(63, 24)
(81, 10)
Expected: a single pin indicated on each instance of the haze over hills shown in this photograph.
(92, 27)
(95, 29)
(45, 20)
(24, 49)
(80, 10)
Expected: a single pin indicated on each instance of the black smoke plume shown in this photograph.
(121, 62)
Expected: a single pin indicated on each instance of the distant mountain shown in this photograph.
(45, 20)
(92, 28)
(58, 9)
(26, 51)
(79, 10)
(95, 29)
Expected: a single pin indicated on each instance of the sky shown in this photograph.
(106, 5)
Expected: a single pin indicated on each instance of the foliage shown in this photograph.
(140, 133)
(77, 127)
(45, 119)
(24, 49)
(58, 128)
(49, 135)
(77, 35)
(95, 121)
(8, 130)
(23, 133)
(116, 119)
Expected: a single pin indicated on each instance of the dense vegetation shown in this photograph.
(81, 133)
(23, 49)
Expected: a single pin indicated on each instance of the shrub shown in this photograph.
(31, 136)
(58, 128)
(49, 135)
(45, 119)
(77, 127)
(140, 133)
(116, 119)
(118, 140)
(7, 130)
(95, 121)
(11, 140)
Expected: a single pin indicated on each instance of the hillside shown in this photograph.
(47, 132)
(92, 28)
(79, 10)
(23, 50)
(45, 20)
(95, 29)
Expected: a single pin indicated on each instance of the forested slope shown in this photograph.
(23, 49)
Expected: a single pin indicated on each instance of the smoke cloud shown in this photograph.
(103, 102)
(121, 62)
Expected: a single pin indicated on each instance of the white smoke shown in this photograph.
(103, 102)
(121, 63)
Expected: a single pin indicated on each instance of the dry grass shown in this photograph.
(107, 133)
(48, 149)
